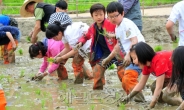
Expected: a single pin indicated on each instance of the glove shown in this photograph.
(78, 46)
(128, 98)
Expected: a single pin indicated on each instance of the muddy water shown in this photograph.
(50, 94)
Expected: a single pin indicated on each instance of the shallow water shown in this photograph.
(49, 94)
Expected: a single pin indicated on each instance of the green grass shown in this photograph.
(157, 2)
(83, 5)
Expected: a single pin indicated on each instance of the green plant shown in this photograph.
(28, 39)
(63, 86)
(175, 43)
(157, 48)
(38, 91)
(92, 107)
(22, 73)
(70, 108)
(43, 103)
(122, 107)
(112, 67)
(50, 60)
(20, 51)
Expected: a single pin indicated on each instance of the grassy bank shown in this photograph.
(13, 6)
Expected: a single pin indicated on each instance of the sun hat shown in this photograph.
(23, 11)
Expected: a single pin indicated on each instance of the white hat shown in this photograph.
(23, 11)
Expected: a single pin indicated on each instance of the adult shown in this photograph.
(41, 11)
(177, 14)
(132, 11)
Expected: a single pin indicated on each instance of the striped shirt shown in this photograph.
(60, 16)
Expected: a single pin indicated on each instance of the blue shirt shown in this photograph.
(4, 20)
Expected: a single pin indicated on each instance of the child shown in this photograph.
(103, 42)
(9, 37)
(60, 14)
(177, 75)
(176, 15)
(158, 64)
(127, 34)
(70, 33)
(39, 50)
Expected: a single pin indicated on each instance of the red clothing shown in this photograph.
(109, 27)
(160, 64)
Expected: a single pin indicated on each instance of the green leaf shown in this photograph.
(158, 48)
(20, 51)
(28, 39)
(50, 60)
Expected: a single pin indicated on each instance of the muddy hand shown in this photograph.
(126, 63)
(105, 62)
(39, 77)
(173, 37)
(78, 46)
(152, 104)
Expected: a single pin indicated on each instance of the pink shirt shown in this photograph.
(160, 64)
(54, 48)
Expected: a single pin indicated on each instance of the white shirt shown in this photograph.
(126, 30)
(177, 14)
(73, 33)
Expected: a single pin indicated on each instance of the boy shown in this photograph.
(101, 45)
(60, 14)
(127, 34)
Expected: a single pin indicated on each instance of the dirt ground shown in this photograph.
(49, 94)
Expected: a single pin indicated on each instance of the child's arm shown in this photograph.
(9, 35)
(158, 89)
(111, 55)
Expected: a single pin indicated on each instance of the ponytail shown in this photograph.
(35, 48)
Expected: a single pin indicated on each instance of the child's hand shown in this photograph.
(105, 61)
(126, 61)
(173, 37)
(78, 45)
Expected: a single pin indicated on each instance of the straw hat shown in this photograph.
(23, 11)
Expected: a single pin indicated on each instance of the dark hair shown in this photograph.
(30, 3)
(143, 51)
(114, 6)
(54, 28)
(178, 68)
(35, 48)
(96, 7)
(62, 4)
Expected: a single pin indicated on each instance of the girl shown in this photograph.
(70, 33)
(9, 37)
(177, 78)
(158, 64)
(39, 50)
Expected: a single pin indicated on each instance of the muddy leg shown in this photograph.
(168, 96)
(77, 64)
(2, 100)
(129, 80)
(120, 72)
(62, 73)
(99, 78)
(181, 107)
(87, 73)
